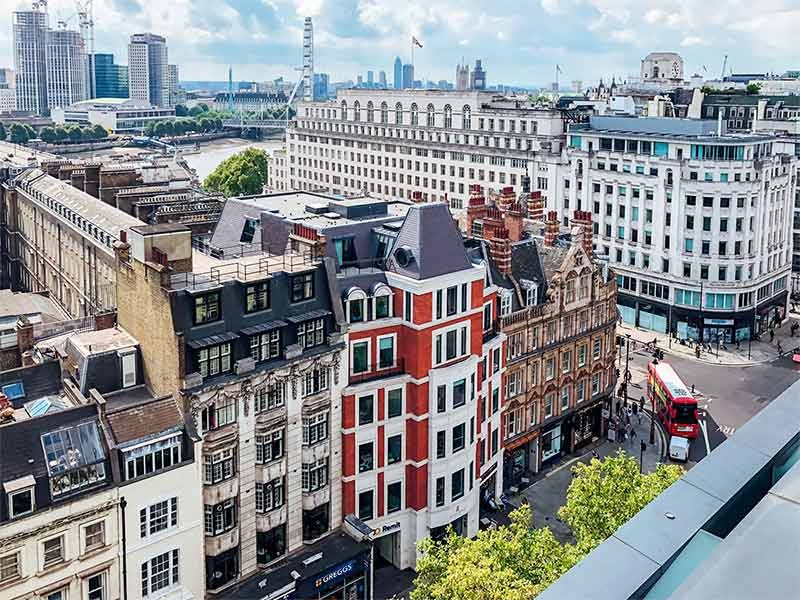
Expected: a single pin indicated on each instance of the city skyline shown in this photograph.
(588, 38)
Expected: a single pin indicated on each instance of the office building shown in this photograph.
(118, 115)
(66, 68)
(30, 59)
(558, 310)
(398, 73)
(321, 83)
(421, 145)
(370, 79)
(148, 70)
(111, 80)
(256, 356)
(176, 94)
(477, 79)
(382, 80)
(408, 77)
(696, 224)
(462, 77)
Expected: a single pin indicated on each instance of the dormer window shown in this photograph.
(207, 308)
(21, 498)
(505, 303)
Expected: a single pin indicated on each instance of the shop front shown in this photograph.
(520, 459)
(587, 425)
(335, 568)
(551, 445)
(387, 538)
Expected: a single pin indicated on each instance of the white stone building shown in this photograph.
(148, 69)
(696, 225)
(661, 66)
(421, 145)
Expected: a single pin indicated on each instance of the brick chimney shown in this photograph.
(500, 251)
(24, 335)
(551, 229)
(582, 224)
(536, 206)
(506, 199)
(476, 209)
(514, 223)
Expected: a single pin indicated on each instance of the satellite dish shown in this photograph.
(403, 256)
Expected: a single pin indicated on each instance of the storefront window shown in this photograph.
(222, 569)
(270, 544)
(551, 443)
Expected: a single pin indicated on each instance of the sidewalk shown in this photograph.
(747, 354)
(548, 494)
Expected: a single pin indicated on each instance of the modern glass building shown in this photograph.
(111, 80)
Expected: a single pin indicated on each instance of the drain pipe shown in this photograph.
(122, 504)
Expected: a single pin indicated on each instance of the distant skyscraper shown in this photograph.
(111, 80)
(308, 61)
(478, 79)
(66, 68)
(408, 77)
(462, 77)
(321, 82)
(398, 73)
(359, 81)
(30, 59)
(175, 93)
(382, 80)
(148, 69)
(370, 79)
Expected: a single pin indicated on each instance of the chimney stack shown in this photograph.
(476, 209)
(500, 250)
(514, 222)
(551, 229)
(582, 224)
(536, 206)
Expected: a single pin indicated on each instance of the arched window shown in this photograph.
(356, 111)
(344, 110)
(669, 176)
(431, 116)
(414, 114)
(356, 305)
(466, 117)
(370, 112)
(398, 114)
(382, 298)
(448, 116)
(384, 113)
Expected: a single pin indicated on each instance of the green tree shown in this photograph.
(753, 88)
(242, 174)
(100, 132)
(61, 134)
(2, 131)
(604, 494)
(30, 131)
(74, 134)
(18, 134)
(515, 562)
(181, 110)
(48, 134)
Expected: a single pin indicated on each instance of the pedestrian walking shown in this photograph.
(628, 429)
(771, 334)
(780, 349)
(641, 404)
(633, 434)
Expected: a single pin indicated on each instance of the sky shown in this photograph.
(519, 41)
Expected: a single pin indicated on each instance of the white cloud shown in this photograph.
(692, 40)
(552, 6)
(623, 35)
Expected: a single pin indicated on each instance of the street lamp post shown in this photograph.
(653, 411)
(627, 366)
(642, 447)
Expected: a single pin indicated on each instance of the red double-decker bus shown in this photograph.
(676, 407)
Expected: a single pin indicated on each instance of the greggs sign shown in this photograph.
(335, 574)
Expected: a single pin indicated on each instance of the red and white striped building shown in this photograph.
(421, 411)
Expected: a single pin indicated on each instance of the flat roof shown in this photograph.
(103, 340)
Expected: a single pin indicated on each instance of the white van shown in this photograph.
(679, 448)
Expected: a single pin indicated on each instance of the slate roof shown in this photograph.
(552, 258)
(435, 242)
(144, 420)
(526, 264)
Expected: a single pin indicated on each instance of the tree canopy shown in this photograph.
(242, 174)
(604, 494)
(517, 562)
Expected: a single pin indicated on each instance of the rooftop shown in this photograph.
(37, 307)
(93, 211)
(150, 417)
(696, 130)
(89, 343)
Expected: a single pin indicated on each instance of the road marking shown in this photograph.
(727, 430)
(702, 424)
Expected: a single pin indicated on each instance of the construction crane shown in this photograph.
(724, 66)
(85, 11)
